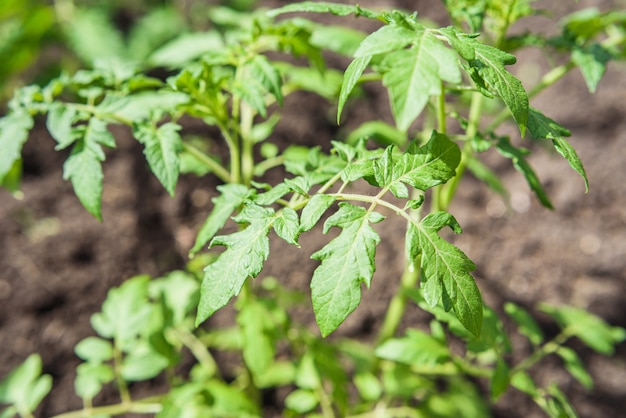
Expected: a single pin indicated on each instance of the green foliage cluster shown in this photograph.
(235, 77)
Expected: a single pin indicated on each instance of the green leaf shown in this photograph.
(413, 75)
(287, 226)
(500, 379)
(417, 349)
(386, 39)
(523, 382)
(25, 386)
(350, 78)
(426, 166)
(519, 162)
(488, 65)
(186, 48)
(179, 292)
(526, 324)
(559, 406)
(90, 377)
(84, 169)
(142, 363)
(125, 312)
(14, 129)
(60, 119)
(94, 350)
(93, 37)
(258, 343)
(231, 197)
(378, 131)
(301, 401)
(446, 270)
(575, 367)
(347, 261)
(143, 104)
(162, 145)
(246, 252)
(591, 329)
(269, 77)
(368, 385)
(313, 211)
(339, 39)
(541, 126)
(324, 7)
(592, 63)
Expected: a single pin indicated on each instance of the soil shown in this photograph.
(57, 262)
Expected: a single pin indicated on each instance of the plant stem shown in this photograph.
(247, 143)
(147, 406)
(121, 383)
(548, 348)
(198, 349)
(210, 163)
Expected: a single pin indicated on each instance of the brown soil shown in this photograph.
(57, 262)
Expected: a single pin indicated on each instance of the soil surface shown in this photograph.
(57, 262)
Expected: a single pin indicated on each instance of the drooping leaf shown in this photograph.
(591, 329)
(350, 78)
(347, 261)
(231, 197)
(446, 270)
(413, 75)
(162, 145)
(488, 66)
(84, 165)
(269, 77)
(541, 126)
(93, 37)
(575, 366)
(14, 129)
(324, 7)
(246, 252)
(527, 325)
(517, 156)
(500, 380)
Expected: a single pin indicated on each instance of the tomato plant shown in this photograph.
(450, 92)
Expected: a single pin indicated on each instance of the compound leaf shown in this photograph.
(14, 129)
(246, 252)
(347, 261)
(162, 145)
(231, 197)
(413, 75)
(446, 270)
(541, 126)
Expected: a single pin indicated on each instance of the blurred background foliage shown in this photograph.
(41, 38)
